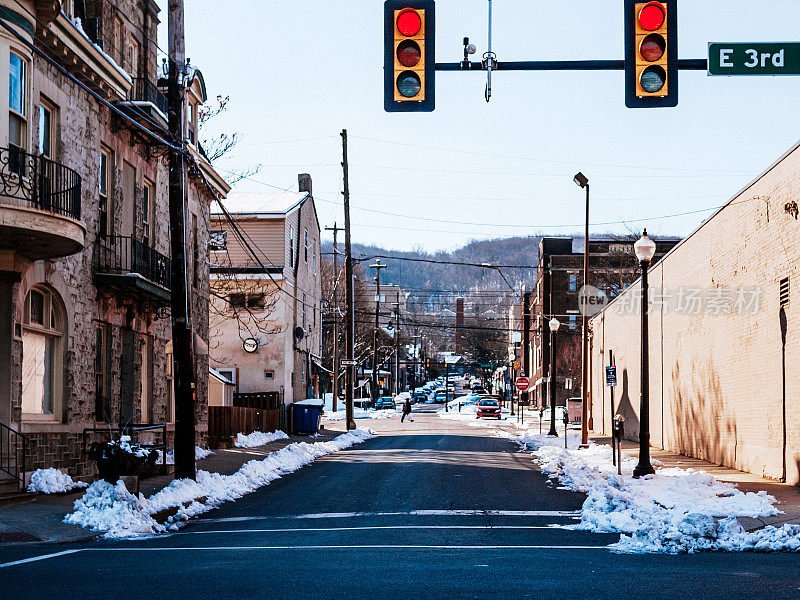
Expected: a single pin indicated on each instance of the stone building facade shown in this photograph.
(84, 231)
(723, 336)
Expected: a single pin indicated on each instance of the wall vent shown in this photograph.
(784, 292)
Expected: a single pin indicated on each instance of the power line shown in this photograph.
(445, 262)
(542, 160)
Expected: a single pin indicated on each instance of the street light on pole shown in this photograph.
(581, 180)
(554, 324)
(645, 249)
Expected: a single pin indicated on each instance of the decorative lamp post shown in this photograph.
(581, 180)
(645, 249)
(554, 325)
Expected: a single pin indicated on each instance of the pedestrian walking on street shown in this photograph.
(407, 411)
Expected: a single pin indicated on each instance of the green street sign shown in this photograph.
(767, 58)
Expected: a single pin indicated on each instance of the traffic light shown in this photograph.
(651, 54)
(409, 56)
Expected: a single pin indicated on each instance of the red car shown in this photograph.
(487, 407)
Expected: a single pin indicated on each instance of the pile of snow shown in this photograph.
(113, 510)
(199, 454)
(53, 481)
(258, 438)
(674, 511)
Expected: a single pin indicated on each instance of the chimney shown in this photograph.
(304, 181)
(459, 325)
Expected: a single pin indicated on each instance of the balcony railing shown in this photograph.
(39, 182)
(144, 90)
(123, 255)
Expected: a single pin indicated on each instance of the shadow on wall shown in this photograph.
(702, 429)
(625, 408)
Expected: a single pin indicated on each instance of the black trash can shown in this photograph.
(306, 416)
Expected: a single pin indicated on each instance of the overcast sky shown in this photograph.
(299, 71)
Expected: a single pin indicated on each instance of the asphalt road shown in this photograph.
(430, 509)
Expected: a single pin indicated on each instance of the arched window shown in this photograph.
(42, 355)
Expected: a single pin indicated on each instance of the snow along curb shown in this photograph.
(675, 511)
(117, 513)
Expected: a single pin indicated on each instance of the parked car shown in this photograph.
(487, 407)
(441, 397)
(384, 402)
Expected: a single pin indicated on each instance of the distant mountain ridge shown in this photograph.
(413, 276)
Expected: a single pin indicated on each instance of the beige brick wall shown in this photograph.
(716, 380)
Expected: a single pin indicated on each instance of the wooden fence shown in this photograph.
(224, 422)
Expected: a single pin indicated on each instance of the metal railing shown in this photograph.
(144, 90)
(122, 255)
(13, 452)
(39, 182)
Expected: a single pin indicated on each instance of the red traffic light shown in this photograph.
(409, 22)
(652, 16)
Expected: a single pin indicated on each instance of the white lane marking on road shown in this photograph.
(40, 557)
(348, 547)
(366, 528)
(418, 513)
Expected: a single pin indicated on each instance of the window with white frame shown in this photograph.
(148, 209)
(42, 355)
(314, 256)
(17, 85)
(104, 225)
(48, 118)
(305, 244)
(291, 247)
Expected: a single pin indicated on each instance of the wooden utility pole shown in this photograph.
(378, 266)
(350, 325)
(183, 357)
(396, 348)
(526, 344)
(335, 360)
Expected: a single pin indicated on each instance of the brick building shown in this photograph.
(612, 266)
(265, 325)
(723, 336)
(84, 232)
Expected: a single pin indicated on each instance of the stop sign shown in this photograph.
(522, 383)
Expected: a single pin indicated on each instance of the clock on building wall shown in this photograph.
(250, 345)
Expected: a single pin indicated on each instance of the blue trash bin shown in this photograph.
(306, 416)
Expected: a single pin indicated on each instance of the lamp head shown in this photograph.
(554, 324)
(645, 248)
(581, 180)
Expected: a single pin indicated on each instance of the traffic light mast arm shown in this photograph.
(686, 64)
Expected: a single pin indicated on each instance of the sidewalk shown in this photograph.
(39, 517)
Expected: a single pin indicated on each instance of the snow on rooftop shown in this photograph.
(261, 203)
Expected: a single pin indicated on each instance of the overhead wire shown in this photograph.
(543, 160)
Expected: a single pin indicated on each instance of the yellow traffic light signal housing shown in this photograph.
(409, 55)
(651, 53)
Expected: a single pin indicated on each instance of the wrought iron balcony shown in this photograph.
(40, 206)
(144, 90)
(39, 182)
(125, 261)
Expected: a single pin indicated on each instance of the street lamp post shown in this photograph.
(581, 180)
(645, 249)
(554, 325)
